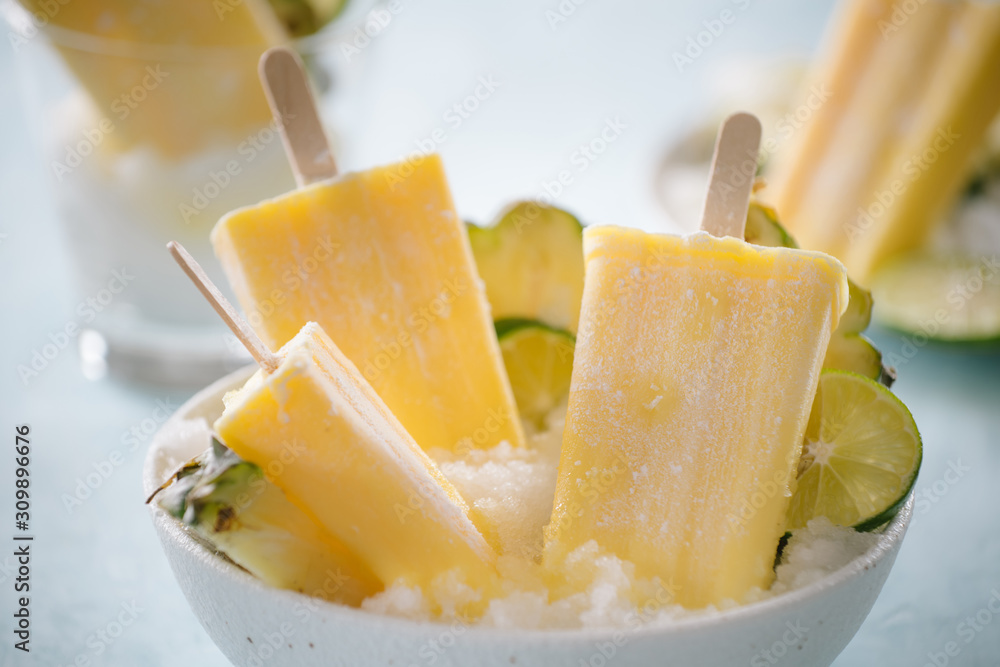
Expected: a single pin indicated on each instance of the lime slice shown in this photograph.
(539, 362)
(954, 298)
(860, 457)
(763, 228)
(531, 262)
(855, 353)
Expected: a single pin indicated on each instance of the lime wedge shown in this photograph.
(943, 297)
(861, 454)
(539, 362)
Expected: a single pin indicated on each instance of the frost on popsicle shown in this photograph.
(680, 382)
(384, 267)
(355, 469)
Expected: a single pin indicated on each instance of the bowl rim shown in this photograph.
(890, 538)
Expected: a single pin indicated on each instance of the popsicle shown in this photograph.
(696, 365)
(346, 460)
(381, 260)
(321, 434)
(179, 75)
(912, 95)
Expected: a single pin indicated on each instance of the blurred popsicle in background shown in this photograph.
(214, 101)
(887, 157)
(911, 98)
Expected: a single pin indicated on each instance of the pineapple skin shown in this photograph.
(229, 503)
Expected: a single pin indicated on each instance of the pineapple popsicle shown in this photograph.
(382, 262)
(875, 168)
(322, 435)
(695, 370)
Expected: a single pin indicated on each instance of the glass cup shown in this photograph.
(148, 143)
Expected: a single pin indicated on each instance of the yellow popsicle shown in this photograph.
(181, 75)
(321, 434)
(696, 366)
(911, 98)
(852, 37)
(381, 260)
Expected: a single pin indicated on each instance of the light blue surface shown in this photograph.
(557, 89)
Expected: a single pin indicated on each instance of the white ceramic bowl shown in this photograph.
(255, 625)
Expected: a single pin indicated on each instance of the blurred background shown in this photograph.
(511, 94)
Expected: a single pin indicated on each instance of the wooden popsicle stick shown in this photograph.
(294, 108)
(258, 350)
(733, 168)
